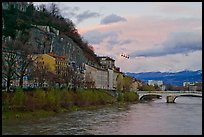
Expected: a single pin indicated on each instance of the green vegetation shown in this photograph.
(127, 97)
(131, 97)
(147, 88)
(33, 103)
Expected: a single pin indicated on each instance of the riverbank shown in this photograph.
(39, 103)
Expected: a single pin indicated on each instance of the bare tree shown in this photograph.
(68, 75)
(73, 77)
(42, 8)
(89, 82)
(25, 59)
(9, 64)
(40, 73)
(77, 79)
(54, 9)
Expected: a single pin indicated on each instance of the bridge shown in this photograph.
(170, 95)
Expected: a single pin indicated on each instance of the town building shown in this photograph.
(50, 63)
(107, 62)
(157, 83)
(193, 86)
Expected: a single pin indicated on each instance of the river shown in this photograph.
(148, 118)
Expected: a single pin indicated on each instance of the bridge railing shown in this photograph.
(199, 92)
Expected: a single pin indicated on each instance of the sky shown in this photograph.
(157, 36)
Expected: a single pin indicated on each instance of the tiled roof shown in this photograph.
(56, 56)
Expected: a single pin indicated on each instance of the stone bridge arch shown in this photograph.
(172, 98)
(149, 96)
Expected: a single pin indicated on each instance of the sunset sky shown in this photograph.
(158, 36)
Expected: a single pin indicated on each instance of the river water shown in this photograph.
(148, 118)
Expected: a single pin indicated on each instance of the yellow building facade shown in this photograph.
(52, 62)
(47, 61)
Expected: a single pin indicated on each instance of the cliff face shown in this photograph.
(46, 42)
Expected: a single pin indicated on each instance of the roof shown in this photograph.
(56, 56)
(107, 58)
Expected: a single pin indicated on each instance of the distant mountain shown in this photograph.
(176, 78)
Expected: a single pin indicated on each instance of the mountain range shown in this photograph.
(173, 78)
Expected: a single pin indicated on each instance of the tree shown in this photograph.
(10, 24)
(91, 47)
(77, 79)
(169, 87)
(30, 9)
(25, 58)
(127, 82)
(89, 82)
(42, 8)
(54, 9)
(9, 64)
(119, 84)
(146, 87)
(40, 73)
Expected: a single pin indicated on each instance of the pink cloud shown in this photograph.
(145, 33)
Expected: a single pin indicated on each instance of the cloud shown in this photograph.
(68, 11)
(180, 42)
(96, 37)
(76, 8)
(109, 38)
(119, 42)
(112, 19)
(152, 35)
(85, 15)
(73, 12)
(69, 14)
(189, 9)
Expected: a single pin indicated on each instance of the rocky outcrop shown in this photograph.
(45, 41)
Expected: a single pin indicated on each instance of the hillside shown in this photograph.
(176, 78)
(59, 32)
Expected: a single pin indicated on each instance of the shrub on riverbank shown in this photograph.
(53, 99)
(127, 97)
(40, 102)
(131, 97)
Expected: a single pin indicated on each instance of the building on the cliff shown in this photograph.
(107, 62)
(103, 76)
(96, 77)
(109, 77)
